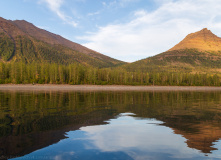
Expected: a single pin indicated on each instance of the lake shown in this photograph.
(124, 125)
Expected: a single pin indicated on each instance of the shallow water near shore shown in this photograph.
(110, 125)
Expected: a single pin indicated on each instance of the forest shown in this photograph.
(76, 74)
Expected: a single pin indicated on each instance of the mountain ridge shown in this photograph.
(21, 40)
(189, 63)
(42, 45)
(49, 37)
(198, 52)
(203, 40)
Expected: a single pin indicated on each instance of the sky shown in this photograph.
(128, 30)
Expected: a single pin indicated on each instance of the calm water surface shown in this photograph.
(110, 125)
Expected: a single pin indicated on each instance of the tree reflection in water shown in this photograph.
(34, 120)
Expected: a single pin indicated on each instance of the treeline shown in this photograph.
(22, 73)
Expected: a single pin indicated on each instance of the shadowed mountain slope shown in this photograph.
(21, 40)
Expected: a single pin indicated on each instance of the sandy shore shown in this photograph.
(51, 87)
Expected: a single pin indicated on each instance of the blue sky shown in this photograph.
(128, 30)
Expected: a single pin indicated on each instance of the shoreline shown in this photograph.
(67, 87)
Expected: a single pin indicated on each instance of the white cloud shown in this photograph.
(94, 13)
(55, 6)
(118, 3)
(58, 157)
(150, 33)
(125, 134)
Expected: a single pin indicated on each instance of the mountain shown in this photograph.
(198, 52)
(21, 40)
(203, 40)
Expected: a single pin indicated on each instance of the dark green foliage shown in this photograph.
(6, 47)
(46, 73)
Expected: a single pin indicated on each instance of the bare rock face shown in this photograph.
(203, 40)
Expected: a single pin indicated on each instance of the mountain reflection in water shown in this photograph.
(89, 125)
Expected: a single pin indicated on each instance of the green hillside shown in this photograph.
(22, 41)
(184, 60)
(198, 52)
(6, 47)
(31, 50)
